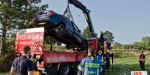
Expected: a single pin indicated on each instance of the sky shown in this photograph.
(128, 20)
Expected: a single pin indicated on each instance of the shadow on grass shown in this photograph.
(134, 67)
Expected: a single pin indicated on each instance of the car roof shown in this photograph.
(48, 11)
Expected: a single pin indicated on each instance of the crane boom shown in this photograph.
(86, 12)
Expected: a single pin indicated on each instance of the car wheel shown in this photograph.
(84, 46)
(61, 28)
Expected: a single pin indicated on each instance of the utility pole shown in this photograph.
(129, 39)
(82, 19)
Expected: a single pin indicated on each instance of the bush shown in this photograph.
(118, 54)
(123, 53)
(6, 61)
(57, 48)
(148, 48)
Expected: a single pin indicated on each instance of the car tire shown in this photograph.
(61, 28)
(84, 46)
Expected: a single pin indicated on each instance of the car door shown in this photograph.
(69, 25)
(77, 33)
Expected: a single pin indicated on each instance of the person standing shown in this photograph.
(142, 61)
(22, 65)
(108, 60)
(90, 65)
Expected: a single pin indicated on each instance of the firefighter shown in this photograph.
(89, 65)
(101, 49)
(101, 42)
(142, 61)
(108, 60)
(100, 58)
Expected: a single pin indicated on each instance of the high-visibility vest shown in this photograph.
(100, 58)
(91, 67)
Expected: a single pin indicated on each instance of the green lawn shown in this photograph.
(5, 73)
(132, 61)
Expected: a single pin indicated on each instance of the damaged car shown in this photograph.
(62, 29)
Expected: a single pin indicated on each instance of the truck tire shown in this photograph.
(65, 69)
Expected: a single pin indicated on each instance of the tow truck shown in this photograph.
(49, 62)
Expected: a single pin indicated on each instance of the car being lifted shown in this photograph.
(62, 29)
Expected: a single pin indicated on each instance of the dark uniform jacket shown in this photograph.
(25, 65)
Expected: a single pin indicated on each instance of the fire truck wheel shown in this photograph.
(65, 69)
(75, 69)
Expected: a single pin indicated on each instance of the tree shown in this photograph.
(117, 46)
(146, 39)
(17, 14)
(108, 36)
(49, 40)
(86, 32)
(146, 42)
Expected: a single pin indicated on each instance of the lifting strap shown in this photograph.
(68, 13)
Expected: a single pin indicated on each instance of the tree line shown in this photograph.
(143, 45)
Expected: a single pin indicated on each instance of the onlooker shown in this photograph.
(22, 65)
(142, 61)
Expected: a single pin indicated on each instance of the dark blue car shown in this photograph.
(62, 29)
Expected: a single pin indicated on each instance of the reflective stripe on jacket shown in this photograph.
(91, 67)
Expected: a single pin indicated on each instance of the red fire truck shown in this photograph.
(50, 62)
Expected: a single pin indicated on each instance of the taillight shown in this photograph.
(50, 13)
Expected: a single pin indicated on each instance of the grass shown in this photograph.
(5, 73)
(132, 61)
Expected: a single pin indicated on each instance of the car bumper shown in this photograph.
(42, 20)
